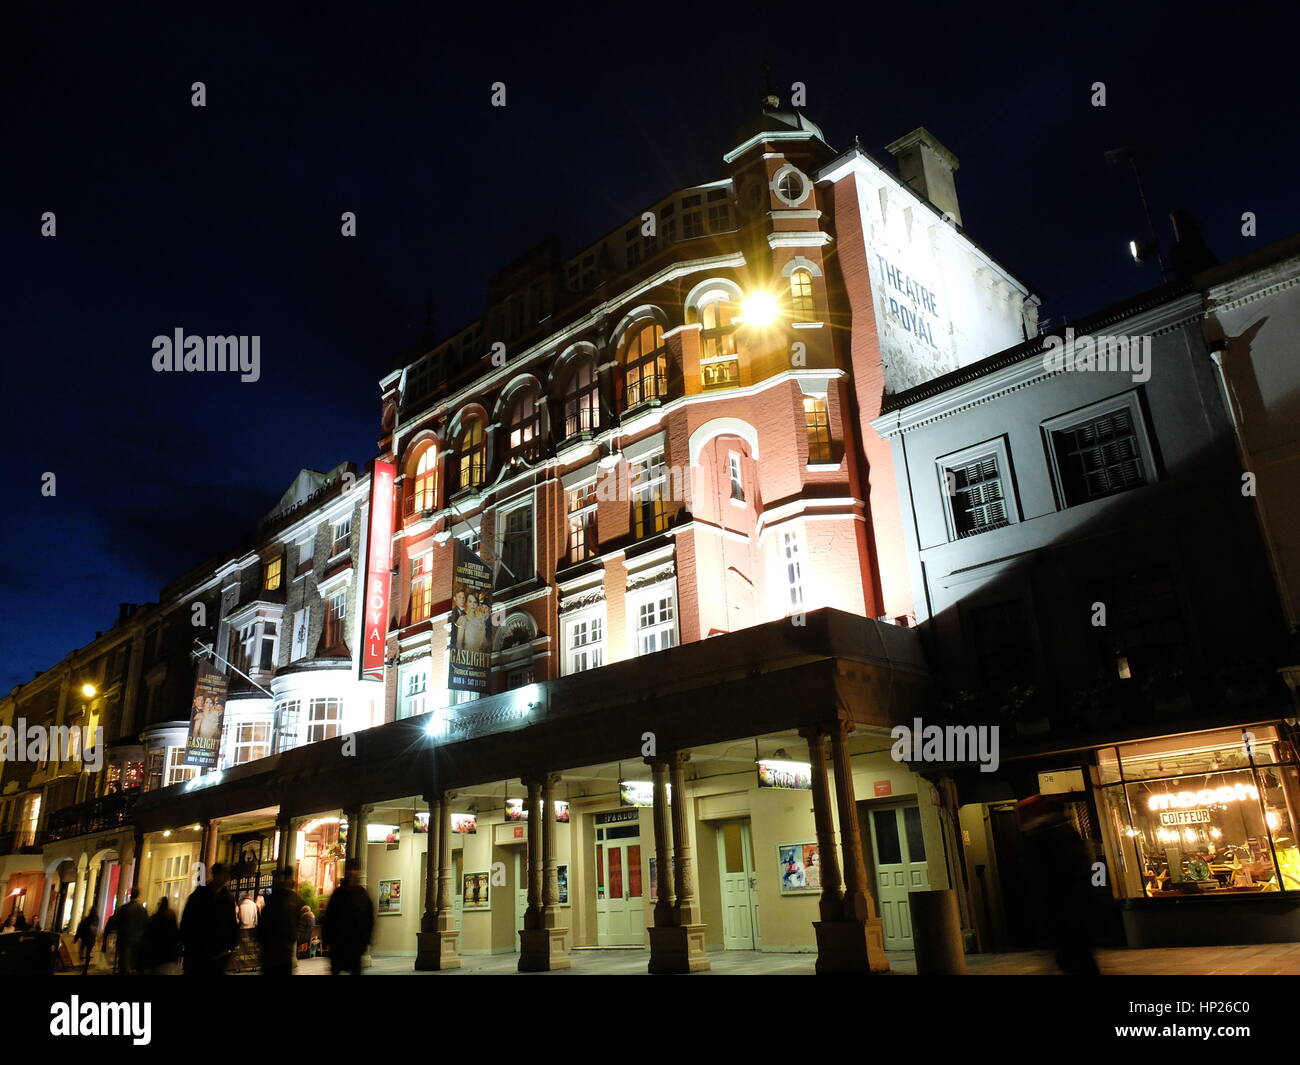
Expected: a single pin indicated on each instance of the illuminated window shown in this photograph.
(252, 741)
(645, 363)
(414, 694)
(719, 364)
(525, 426)
(648, 479)
(817, 426)
(177, 771)
(802, 306)
(324, 719)
(472, 451)
(582, 398)
(286, 725)
(423, 495)
(421, 587)
(31, 818)
(582, 522)
(271, 574)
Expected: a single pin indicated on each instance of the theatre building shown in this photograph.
(1092, 575)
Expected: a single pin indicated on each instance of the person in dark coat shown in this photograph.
(347, 923)
(209, 928)
(20, 923)
(161, 946)
(87, 930)
(1062, 871)
(132, 920)
(277, 929)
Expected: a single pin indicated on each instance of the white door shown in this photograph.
(620, 906)
(901, 868)
(739, 887)
(521, 889)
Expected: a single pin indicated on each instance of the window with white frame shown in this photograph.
(977, 488)
(336, 618)
(269, 645)
(306, 549)
(656, 623)
(31, 819)
(340, 536)
(470, 538)
(585, 643)
(1100, 451)
(516, 539)
(243, 646)
(324, 719)
(251, 741)
(735, 477)
(792, 561)
(177, 771)
(286, 725)
(517, 678)
(414, 693)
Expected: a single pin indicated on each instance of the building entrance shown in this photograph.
(620, 902)
(899, 851)
(740, 930)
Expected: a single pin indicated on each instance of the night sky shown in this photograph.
(226, 219)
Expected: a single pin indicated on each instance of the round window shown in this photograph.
(791, 187)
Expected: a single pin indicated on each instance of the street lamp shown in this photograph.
(88, 690)
(759, 309)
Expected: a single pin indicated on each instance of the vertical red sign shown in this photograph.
(379, 567)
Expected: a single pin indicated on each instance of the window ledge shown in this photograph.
(738, 503)
(806, 325)
(824, 467)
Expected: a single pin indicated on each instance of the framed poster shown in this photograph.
(801, 868)
(476, 891)
(390, 897)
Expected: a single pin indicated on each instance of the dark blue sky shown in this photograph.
(225, 219)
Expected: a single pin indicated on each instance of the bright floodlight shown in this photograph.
(88, 690)
(759, 309)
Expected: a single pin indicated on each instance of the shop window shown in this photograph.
(817, 429)
(1211, 815)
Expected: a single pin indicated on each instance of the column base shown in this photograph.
(678, 949)
(542, 949)
(851, 947)
(436, 951)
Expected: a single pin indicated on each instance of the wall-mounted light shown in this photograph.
(759, 309)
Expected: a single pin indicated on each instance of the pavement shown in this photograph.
(1269, 959)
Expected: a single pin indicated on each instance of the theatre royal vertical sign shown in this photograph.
(379, 571)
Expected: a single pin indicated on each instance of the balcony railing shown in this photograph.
(99, 815)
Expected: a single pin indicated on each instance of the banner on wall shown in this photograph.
(469, 661)
(207, 714)
(379, 571)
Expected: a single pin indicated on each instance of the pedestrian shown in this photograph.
(110, 930)
(278, 931)
(209, 929)
(161, 947)
(20, 923)
(87, 930)
(247, 912)
(1062, 870)
(347, 923)
(132, 920)
(8, 926)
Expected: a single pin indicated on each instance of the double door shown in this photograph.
(620, 896)
(898, 848)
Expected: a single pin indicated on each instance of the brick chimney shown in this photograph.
(927, 167)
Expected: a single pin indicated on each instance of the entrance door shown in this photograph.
(620, 911)
(521, 889)
(901, 868)
(739, 887)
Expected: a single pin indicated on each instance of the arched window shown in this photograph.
(719, 364)
(525, 425)
(802, 306)
(472, 453)
(581, 397)
(645, 363)
(425, 480)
